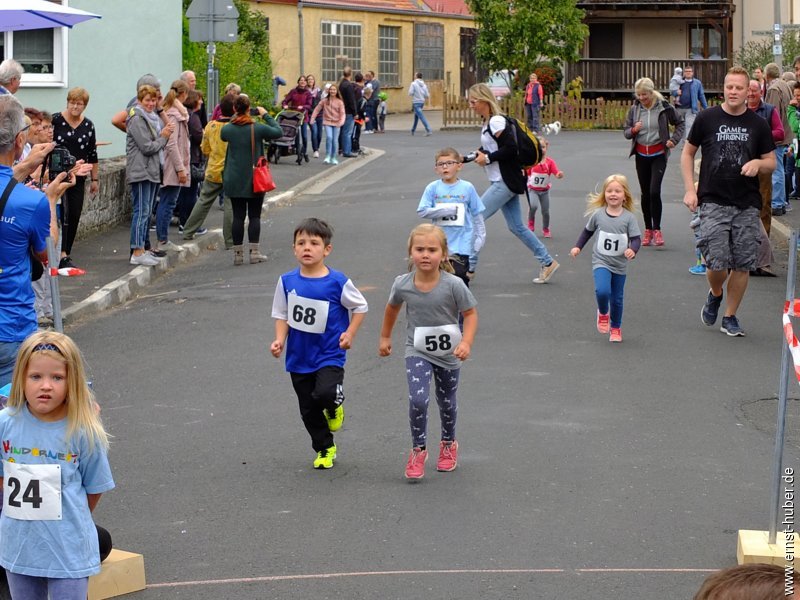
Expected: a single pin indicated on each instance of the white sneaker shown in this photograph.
(316, 154)
(146, 260)
(167, 246)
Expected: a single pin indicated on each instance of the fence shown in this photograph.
(573, 114)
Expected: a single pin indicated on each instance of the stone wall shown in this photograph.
(112, 205)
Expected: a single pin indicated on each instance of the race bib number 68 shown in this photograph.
(307, 314)
(32, 492)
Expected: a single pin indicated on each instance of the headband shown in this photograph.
(43, 347)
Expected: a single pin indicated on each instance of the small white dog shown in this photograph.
(552, 128)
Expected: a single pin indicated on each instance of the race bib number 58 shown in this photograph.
(437, 341)
(307, 314)
(32, 492)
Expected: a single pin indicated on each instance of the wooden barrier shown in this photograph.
(573, 114)
(122, 573)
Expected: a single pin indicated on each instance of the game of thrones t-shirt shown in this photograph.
(727, 143)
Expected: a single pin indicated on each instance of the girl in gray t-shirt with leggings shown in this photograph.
(435, 344)
(618, 240)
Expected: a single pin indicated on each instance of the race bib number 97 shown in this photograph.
(612, 244)
(306, 314)
(437, 341)
(456, 220)
(539, 180)
(32, 492)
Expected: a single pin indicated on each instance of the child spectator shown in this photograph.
(382, 111)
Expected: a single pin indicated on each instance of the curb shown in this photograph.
(128, 286)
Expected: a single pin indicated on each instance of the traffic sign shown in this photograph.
(213, 21)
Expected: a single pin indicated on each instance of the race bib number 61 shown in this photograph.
(32, 492)
(612, 244)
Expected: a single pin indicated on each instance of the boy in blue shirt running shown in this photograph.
(317, 313)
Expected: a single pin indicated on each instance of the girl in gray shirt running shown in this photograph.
(618, 240)
(435, 344)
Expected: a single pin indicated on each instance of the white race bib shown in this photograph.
(32, 492)
(612, 244)
(457, 220)
(437, 341)
(307, 314)
(539, 180)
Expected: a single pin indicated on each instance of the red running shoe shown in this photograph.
(602, 323)
(658, 239)
(647, 238)
(415, 467)
(531, 224)
(616, 335)
(448, 456)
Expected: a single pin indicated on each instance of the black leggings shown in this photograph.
(650, 170)
(250, 208)
(71, 209)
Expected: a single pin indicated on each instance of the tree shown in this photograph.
(245, 62)
(521, 34)
(758, 53)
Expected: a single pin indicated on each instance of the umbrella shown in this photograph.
(17, 15)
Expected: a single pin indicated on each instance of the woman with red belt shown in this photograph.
(648, 127)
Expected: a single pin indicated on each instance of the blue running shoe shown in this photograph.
(698, 270)
(730, 326)
(711, 309)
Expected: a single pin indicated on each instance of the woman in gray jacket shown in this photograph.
(143, 171)
(419, 94)
(648, 127)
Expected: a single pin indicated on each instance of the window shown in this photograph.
(705, 42)
(429, 50)
(41, 52)
(389, 55)
(341, 47)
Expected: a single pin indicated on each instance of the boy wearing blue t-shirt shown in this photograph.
(312, 309)
(454, 205)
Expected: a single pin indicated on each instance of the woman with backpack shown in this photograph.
(499, 157)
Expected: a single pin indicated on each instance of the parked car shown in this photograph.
(500, 83)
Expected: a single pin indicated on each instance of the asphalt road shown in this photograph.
(587, 470)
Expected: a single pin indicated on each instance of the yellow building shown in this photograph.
(393, 38)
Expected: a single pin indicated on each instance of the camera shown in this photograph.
(469, 157)
(60, 161)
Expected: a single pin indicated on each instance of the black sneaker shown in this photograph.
(157, 253)
(66, 263)
(730, 325)
(711, 309)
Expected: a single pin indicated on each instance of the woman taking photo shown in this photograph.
(73, 131)
(177, 172)
(647, 126)
(245, 140)
(498, 156)
(143, 170)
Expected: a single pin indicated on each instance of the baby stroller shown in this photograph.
(290, 121)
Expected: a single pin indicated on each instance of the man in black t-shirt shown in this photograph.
(737, 145)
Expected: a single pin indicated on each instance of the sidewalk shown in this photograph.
(111, 280)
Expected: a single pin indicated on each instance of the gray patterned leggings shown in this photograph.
(419, 372)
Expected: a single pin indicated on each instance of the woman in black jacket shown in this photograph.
(647, 126)
(498, 156)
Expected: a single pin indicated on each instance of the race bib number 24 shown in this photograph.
(32, 492)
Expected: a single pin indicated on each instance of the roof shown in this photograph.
(430, 7)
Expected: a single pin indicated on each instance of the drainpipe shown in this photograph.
(302, 44)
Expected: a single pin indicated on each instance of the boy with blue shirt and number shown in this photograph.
(317, 313)
(454, 205)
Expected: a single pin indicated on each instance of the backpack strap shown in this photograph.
(6, 193)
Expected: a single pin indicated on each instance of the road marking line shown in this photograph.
(274, 578)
